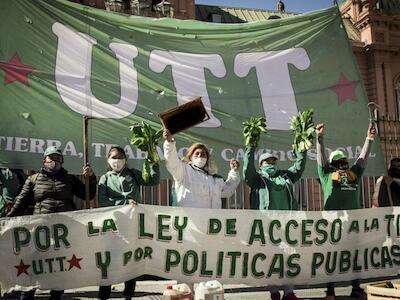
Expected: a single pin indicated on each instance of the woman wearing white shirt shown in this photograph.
(196, 185)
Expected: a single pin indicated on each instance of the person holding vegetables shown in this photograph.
(341, 186)
(196, 185)
(272, 188)
(121, 184)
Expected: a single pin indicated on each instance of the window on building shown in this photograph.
(397, 91)
(182, 6)
(216, 18)
(362, 5)
(154, 3)
(273, 17)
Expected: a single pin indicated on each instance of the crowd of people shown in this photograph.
(197, 184)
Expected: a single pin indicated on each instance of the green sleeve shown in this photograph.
(323, 173)
(5, 197)
(102, 192)
(295, 171)
(251, 176)
(10, 186)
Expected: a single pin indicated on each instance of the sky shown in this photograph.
(298, 6)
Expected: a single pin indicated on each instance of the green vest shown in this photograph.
(10, 186)
(343, 193)
(272, 193)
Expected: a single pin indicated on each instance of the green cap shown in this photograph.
(265, 156)
(52, 150)
(336, 155)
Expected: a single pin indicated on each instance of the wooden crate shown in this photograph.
(184, 116)
(382, 291)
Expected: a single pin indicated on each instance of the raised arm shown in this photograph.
(250, 174)
(174, 165)
(366, 149)
(297, 169)
(379, 191)
(232, 181)
(321, 155)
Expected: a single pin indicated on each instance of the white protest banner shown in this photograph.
(112, 245)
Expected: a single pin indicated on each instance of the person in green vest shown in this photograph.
(10, 186)
(271, 188)
(121, 186)
(341, 186)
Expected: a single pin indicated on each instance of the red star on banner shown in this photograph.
(74, 262)
(345, 89)
(22, 268)
(15, 70)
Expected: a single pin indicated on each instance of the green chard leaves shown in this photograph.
(252, 131)
(146, 139)
(303, 128)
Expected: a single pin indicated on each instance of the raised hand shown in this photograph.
(371, 131)
(319, 130)
(132, 202)
(167, 135)
(234, 164)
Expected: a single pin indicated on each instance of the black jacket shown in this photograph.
(51, 194)
(383, 185)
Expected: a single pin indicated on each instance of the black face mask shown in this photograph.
(394, 172)
(341, 165)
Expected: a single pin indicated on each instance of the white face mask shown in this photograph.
(116, 164)
(199, 162)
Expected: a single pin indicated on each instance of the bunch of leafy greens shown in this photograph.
(303, 128)
(146, 139)
(252, 131)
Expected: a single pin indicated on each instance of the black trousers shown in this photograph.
(129, 290)
(355, 283)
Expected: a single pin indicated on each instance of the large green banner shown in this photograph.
(60, 61)
(266, 248)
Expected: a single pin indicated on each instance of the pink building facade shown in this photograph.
(377, 50)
